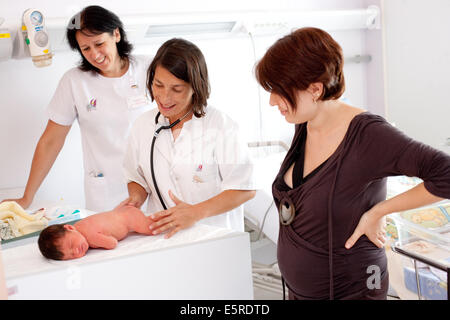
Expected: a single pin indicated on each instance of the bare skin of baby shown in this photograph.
(103, 230)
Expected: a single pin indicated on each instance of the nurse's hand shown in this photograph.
(174, 219)
(23, 202)
(372, 226)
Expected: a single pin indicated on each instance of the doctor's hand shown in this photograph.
(372, 226)
(132, 201)
(174, 219)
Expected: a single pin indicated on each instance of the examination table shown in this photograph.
(202, 262)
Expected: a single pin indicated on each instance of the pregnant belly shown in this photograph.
(306, 268)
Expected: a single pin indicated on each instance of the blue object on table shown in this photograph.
(431, 287)
(64, 218)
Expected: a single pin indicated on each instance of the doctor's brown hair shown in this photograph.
(305, 56)
(185, 61)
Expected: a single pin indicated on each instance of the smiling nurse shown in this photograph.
(105, 94)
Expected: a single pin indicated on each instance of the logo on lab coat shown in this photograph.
(92, 105)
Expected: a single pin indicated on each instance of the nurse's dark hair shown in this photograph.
(185, 61)
(48, 241)
(95, 20)
(305, 56)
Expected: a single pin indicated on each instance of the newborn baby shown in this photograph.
(101, 230)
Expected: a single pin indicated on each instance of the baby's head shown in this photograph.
(62, 242)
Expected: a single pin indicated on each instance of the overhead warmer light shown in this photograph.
(189, 28)
(156, 27)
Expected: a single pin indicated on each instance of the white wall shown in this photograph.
(25, 90)
(417, 45)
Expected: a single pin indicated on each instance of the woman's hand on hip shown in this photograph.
(174, 219)
(372, 226)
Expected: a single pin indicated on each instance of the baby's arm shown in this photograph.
(142, 224)
(137, 221)
(99, 240)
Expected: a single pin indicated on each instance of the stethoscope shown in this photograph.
(155, 135)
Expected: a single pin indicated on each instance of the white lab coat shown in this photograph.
(208, 157)
(105, 109)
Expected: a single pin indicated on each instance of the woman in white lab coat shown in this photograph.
(105, 93)
(201, 165)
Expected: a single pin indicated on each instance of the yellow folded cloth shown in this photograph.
(15, 221)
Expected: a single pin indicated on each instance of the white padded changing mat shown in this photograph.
(27, 259)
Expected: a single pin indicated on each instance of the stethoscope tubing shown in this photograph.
(155, 135)
(153, 172)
